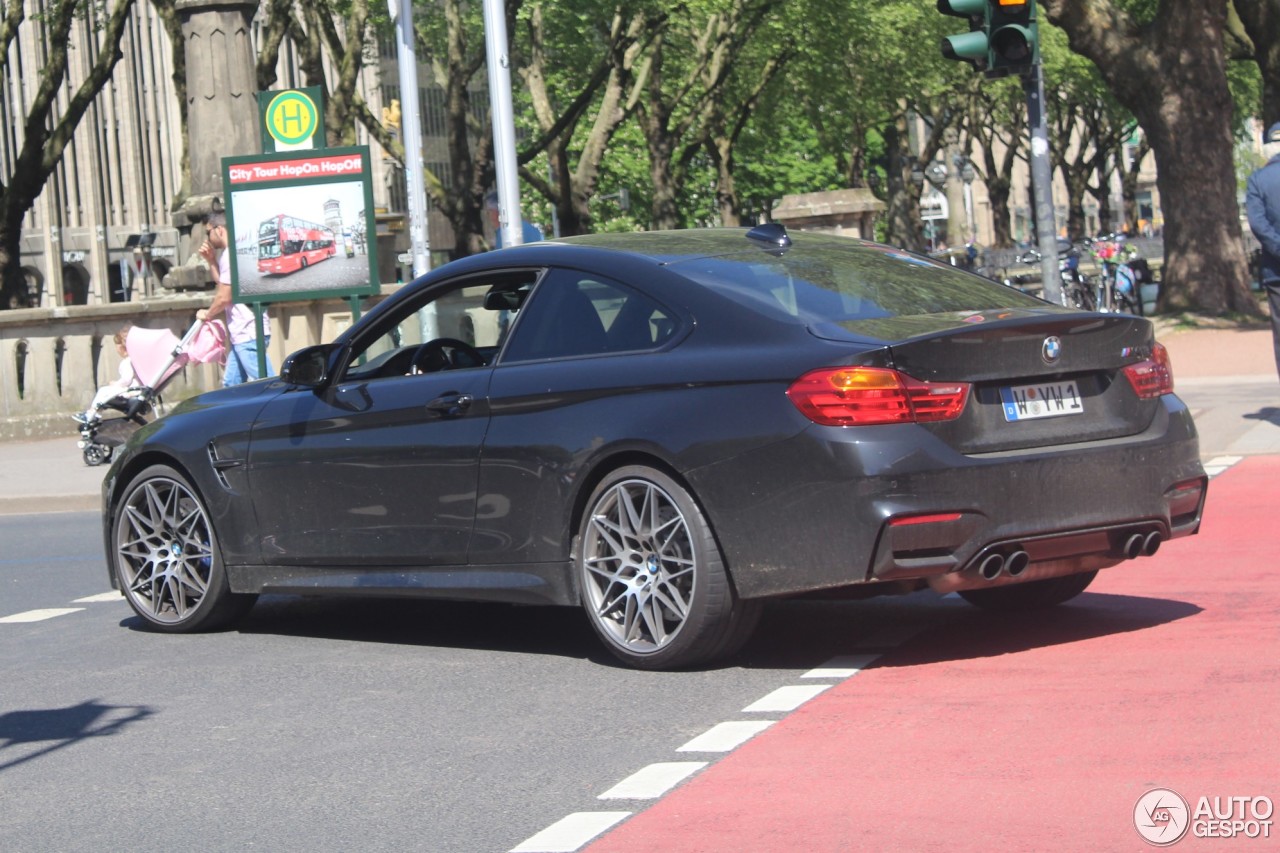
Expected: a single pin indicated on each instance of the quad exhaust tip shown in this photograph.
(1012, 564)
(1142, 545)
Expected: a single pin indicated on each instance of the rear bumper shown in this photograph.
(833, 507)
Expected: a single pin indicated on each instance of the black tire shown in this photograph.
(1030, 595)
(96, 454)
(1126, 304)
(166, 558)
(653, 581)
(1077, 294)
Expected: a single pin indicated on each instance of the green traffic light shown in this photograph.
(966, 47)
(1013, 44)
(971, 47)
(1012, 38)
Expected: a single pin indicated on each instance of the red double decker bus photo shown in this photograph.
(287, 244)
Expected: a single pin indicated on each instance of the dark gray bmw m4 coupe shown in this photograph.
(668, 429)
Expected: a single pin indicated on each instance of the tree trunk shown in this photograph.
(720, 149)
(903, 226)
(998, 191)
(1171, 74)
(13, 284)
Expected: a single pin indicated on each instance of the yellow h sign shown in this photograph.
(291, 118)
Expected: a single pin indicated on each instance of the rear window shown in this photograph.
(822, 286)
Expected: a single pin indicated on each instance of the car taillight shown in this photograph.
(858, 396)
(1152, 377)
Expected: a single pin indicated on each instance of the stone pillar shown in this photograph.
(845, 213)
(222, 118)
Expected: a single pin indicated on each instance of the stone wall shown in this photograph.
(52, 360)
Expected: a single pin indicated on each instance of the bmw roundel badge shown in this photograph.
(1051, 349)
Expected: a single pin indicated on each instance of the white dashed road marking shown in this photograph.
(1218, 464)
(845, 666)
(653, 781)
(785, 699)
(570, 833)
(723, 737)
(52, 612)
(39, 615)
(102, 596)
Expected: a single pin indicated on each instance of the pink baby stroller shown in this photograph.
(156, 355)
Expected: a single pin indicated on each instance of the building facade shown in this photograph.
(103, 229)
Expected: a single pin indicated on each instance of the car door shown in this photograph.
(379, 467)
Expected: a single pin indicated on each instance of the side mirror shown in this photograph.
(308, 367)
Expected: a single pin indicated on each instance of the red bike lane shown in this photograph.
(1031, 732)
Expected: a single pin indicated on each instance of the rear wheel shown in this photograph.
(1030, 595)
(167, 558)
(1126, 304)
(653, 580)
(1078, 294)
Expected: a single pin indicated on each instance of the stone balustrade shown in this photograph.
(52, 360)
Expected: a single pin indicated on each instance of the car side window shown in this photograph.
(457, 328)
(574, 314)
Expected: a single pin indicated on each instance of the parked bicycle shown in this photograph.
(1122, 273)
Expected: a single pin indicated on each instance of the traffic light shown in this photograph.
(970, 47)
(1012, 37)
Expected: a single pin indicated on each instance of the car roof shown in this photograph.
(670, 246)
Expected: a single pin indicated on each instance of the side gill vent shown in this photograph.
(220, 466)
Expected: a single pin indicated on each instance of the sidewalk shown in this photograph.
(1226, 376)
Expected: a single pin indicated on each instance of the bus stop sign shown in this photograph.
(292, 119)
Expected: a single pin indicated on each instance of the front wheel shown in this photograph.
(1029, 595)
(96, 454)
(166, 556)
(653, 581)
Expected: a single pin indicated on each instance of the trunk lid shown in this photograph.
(1038, 379)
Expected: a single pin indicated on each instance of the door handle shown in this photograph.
(450, 405)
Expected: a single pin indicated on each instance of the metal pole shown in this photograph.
(1042, 184)
(504, 128)
(411, 135)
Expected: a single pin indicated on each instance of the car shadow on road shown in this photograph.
(937, 630)
(28, 735)
(561, 631)
(793, 634)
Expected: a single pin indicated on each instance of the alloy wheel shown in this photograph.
(639, 566)
(165, 550)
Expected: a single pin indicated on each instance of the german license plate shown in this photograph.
(1044, 400)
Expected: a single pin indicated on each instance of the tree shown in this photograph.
(597, 67)
(339, 32)
(997, 122)
(1254, 25)
(53, 113)
(1170, 72)
(687, 91)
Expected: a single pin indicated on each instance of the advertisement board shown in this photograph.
(302, 225)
